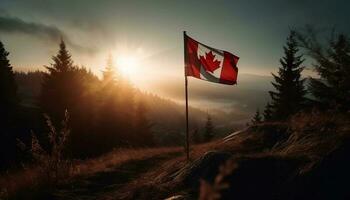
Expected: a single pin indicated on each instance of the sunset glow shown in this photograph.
(184, 99)
(127, 65)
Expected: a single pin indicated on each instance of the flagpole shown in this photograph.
(186, 96)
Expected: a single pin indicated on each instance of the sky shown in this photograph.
(145, 37)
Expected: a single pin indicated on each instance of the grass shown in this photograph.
(284, 152)
(120, 156)
(30, 182)
(102, 184)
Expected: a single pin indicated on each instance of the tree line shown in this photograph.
(104, 114)
(329, 90)
(108, 112)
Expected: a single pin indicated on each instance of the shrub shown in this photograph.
(51, 163)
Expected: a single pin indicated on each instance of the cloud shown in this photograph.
(50, 33)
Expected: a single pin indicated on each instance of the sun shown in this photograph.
(127, 65)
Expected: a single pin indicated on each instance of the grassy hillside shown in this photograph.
(306, 157)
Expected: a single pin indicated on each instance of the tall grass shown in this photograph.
(49, 167)
(51, 162)
(314, 134)
(307, 138)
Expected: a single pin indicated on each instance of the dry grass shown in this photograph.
(118, 157)
(160, 182)
(12, 182)
(49, 165)
(302, 141)
(309, 136)
(32, 177)
(314, 134)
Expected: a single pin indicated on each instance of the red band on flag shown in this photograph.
(206, 63)
(191, 57)
(229, 70)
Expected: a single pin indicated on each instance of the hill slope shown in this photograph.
(304, 158)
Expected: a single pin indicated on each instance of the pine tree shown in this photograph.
(333, 89)
(127, 105)
(8, 87)
(256, 118)
(62, 61)
(109, 116)
(143, 130)
(209, 129)
(58, 85)
(109, 84)
(8, 110)
(289, 96)
(110, 76)
(195, 137)
(332, 61)
(267, 112)
(117, 119)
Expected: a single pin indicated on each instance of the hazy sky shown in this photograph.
(149, 32)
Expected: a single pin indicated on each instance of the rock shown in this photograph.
(206, 167)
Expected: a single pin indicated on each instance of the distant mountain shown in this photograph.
(230, 106)
(166, 115)
(242, 99)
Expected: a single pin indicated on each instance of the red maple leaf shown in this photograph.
(209, 62)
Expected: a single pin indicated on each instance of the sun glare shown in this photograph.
(127, 65)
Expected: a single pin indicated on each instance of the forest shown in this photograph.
(104, 113)
(66, 115)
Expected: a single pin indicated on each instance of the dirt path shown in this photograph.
(105, 183)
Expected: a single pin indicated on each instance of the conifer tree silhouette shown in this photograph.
(57, 86)
(9, 104)
(143, 127)
(68, 87)
(8, 87)
(110, 75)
(267, 112)
(209, 129)
(332, 90)
(256, 118)
(109, 124)
(289, 95)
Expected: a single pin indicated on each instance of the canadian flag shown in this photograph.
(207, 63)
